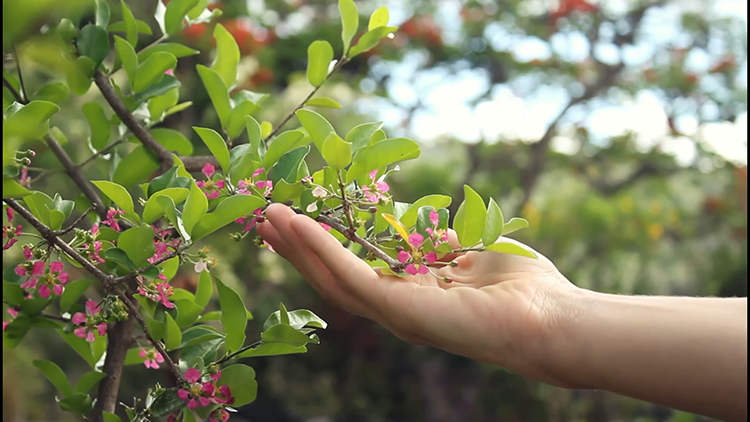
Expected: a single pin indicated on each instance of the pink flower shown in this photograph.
(13, 314)
(251, 220)
(376, 191)
(169, 72)
(211, 188)
(438, 236)
(152, 358)
(95, 230)
(160, 250)
(157, 291)
(28, 254)
(416, 258)
(91, 322)
(200, 394)
(245, 186)
(112, 216)
(94, 250)
(219, 415)
(9, 232)
(52, 281)
(325, 226)
(25, 180)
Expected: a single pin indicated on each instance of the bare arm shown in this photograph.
(686, 353)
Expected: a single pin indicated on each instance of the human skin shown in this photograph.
(524, 315)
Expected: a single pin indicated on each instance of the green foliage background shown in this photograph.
(612, 216)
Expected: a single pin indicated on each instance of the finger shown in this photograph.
(353, 273)
(308, 263)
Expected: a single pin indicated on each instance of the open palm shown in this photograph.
(499, 309)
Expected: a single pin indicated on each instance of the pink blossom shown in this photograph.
(219, 415)
(434, 218)
(200, 394)
(169, 72)
(416, 259)
(208, 170)
(376, 191)
(245, 185)
(25, 180)
(28, 254)
(251, 220)
(160, 250)
(9, 232)
(438, 236)
(325, 226)
(158, 291)
(94, 251)
(90, 323)
(112, 216)
(13, 314)
(210, 188)
(95, 230)
(415, 240)
(152, 358)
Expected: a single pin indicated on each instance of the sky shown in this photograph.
(524, 110)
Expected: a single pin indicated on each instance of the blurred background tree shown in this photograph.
(617, 128)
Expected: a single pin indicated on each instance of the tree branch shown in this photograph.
(165, 157)
(106, 280)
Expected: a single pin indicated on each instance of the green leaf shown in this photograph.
(135, 167)
(28, 122)
(13, 294)
(216, 145)
(298, 319)
(204, 290)
(102, 13)
(280, 145)
(79, 345)
(493, 227)
(198, 9)
(409, 218)
(188, 312)
(116, 193)
(173, 140)
(254, 137)
(470, 218)
(217, 91)
(72, 292)
(514, 224)
(158, 105)
(336, 151)
(131, 26)
(127, 56)
(173, 335)
(241, 382)
(169, 267)
(283, 191)
(319, 57)
(167, 205)
(162, 181)
(316, 125)
(120, 257)
(78, 75)
(34, 306)
(265, 129)
(177, 50)
(12, 189)
(284, 334)
(140, 26)
(378, 18)
(155, 328)
(237, 117)
(233, 318)
(370, 39)
(152, 70)
(77, 403)
(167, 402)
(423, 220)
(56, 218)
(98, 122)
(54, 92)
(39, 204)
(175, 15)
(510, 248)
(349, 22)
(244, 167)
(111, 417)
(195, 207)
(153, 211)
(324, 102)
(272, 349)
(166, 84)
(93, 43)
(382, 154)
(228, 211)
(227, 56)
(287, 168)
(88, 381)
(16, 331)
(138, 244)
(55, 375)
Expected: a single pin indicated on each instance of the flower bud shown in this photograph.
(258, 241)
(373, 210)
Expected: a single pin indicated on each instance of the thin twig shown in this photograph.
(127, 118)
(13, 91)
(22, 86)
(239, 351)
(75, 223)
(164, 258)
(278, 127)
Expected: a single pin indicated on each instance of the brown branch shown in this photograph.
(75, 223)
(127, 118)
(120, 337)
(106, 280)
(16, 95)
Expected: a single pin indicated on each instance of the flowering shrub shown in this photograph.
(134, 249)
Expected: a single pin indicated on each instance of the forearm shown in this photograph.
(685, 353)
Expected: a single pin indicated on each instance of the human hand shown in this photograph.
(500, 309)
